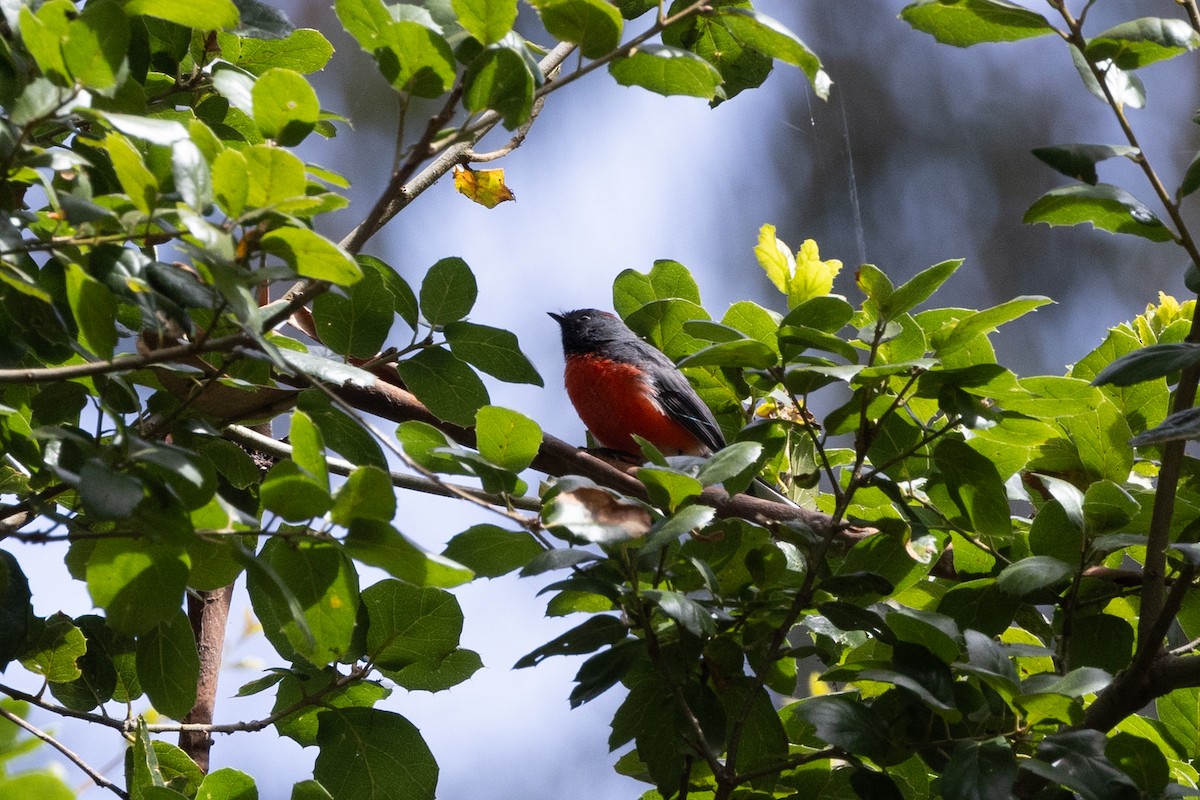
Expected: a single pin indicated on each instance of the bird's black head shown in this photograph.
(586, 330)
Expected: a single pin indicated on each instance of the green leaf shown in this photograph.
(308, 448)
(94, 308)
(365, 20)
(489, 21)
(1179, 711)
(594, 25)
(1126, 87)
(42, 785)
(294, 493)
(493, 350)
(507, 438)
(96, 45)
(366, 494)
(428, 446)
(1191, 179)
(1033, 575)
(297, 687)
(668, 71)
(691, 616)
(1079, 160)
(1181, 425)
(845, 722)
(446, 385)
(138, 583)
(168, 665)
(416, 59)
(1148, 363)
(43, 35)
(367, 753)
(980, 771)
(935, 632)
(322, 582)
(960, 333)
(682, 522)
(730, 462)
(741, 66)
(378, 544)
(977, 488)
(918, 288)
(227, 784)
(772, 38)
(595, 633)
(740, 354)
(404, 302)
(448, 291)
(190, 171)
(1105, 206)
(304, 50)
(491, 551)
(136, 180)
(231, 188)
(310, 790)
(1144, 41)
(285, 107)
(204, 15)
(312, 255)
(437, 676)
(666, 280)
(54, 648)
(107, 493)
(357, 323)
(411, 56)
(271, 175)
(15, 608)
(1141, 759)
(668, 489)
(963, 23)
(410, 623)
(500, 79)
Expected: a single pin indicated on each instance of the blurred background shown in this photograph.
(920, 154)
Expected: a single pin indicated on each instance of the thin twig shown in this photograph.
(71, 756)
(266, 444)
(124, 362)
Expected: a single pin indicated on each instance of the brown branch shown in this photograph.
(556, 457)
(209, 613)
(124, 362)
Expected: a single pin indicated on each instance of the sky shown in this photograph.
(921, 154)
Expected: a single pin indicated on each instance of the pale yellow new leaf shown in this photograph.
(812, 277)
(775, 258)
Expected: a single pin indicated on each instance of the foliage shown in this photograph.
(971, 597)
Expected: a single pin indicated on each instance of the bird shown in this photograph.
(621, 387)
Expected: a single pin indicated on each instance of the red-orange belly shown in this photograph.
(615, 402)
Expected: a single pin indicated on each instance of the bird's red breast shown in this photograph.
(615, 401)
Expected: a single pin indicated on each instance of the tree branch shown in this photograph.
(209, 613)
(71, 756)
(271, 446)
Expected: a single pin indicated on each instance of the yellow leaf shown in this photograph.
(775, 258)
(813, 277)
(484, 186)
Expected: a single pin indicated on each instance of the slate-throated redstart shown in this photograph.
(622, 386)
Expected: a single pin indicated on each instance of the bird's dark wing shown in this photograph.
(680, 400)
